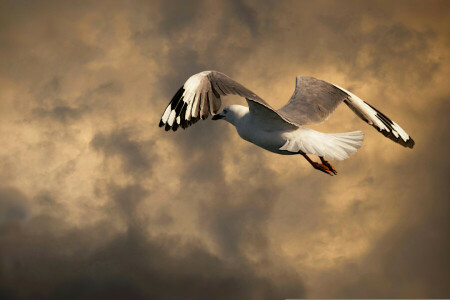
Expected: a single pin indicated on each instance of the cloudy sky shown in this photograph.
(97, 201)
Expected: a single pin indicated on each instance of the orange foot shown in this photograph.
(322, 168)
(329, 166)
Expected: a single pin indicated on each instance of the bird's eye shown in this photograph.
(225, 111)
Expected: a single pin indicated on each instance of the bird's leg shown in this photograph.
(317, 166)
(329, 166)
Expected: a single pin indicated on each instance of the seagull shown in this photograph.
(280, 131)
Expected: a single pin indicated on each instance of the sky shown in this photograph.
(96, 201)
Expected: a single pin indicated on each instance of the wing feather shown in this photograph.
(313, 101)
(200, 96)
(378, 120)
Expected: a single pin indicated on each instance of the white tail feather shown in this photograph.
(337, 146)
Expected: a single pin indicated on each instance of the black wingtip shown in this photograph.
(410, 143)
(397, 139)
(175, 104)
(390, 132)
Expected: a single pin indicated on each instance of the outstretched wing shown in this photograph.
(314, 100)
(200, 96)
(378, 120)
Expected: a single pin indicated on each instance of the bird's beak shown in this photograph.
(218, 117)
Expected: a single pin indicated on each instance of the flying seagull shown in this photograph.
(280, 131)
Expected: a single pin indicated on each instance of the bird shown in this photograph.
(280, 131)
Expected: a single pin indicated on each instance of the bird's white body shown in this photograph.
(250, 129)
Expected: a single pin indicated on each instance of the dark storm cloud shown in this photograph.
(238, 222)
(49, 105)
(202, 151)
(13, 205)
(134, 155)
(129, 267)
(246, 13)
(183, 63)
(69, 265)
(61, 114)
(176, 15)
(127, 199)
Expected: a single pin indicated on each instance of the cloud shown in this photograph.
(89, 262)
(13, 205)
(133, 154)
(61, 113)
(410, 260)
(98, 202)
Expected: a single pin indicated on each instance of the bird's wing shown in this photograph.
(200, 96)
(268, 118)
(378, 120)
(314, 100)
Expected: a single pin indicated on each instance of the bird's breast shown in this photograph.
(266, 139)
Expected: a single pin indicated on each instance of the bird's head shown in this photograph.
(232, 113)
